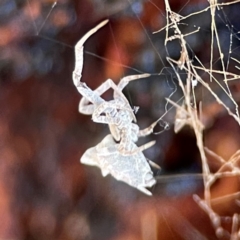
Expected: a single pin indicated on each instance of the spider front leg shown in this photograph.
(125, 80)
(88, 94)
(85, 103)
(77, 73)
(91, 99)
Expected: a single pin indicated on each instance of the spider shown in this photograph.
(130, 165)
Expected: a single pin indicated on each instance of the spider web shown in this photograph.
(208, 75)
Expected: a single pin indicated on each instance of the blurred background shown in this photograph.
(45, 193)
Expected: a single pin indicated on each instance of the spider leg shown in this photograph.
(153, 164)
(145, 146)
(125, 80)
(86, 108)
(77, 73)
(110, 84)
(91, 98)
(88, 94)
(117, 89)
(115, 131)
(146, 131)
(138, 149)
(144, 190)
(149, 129)
(117, 93)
